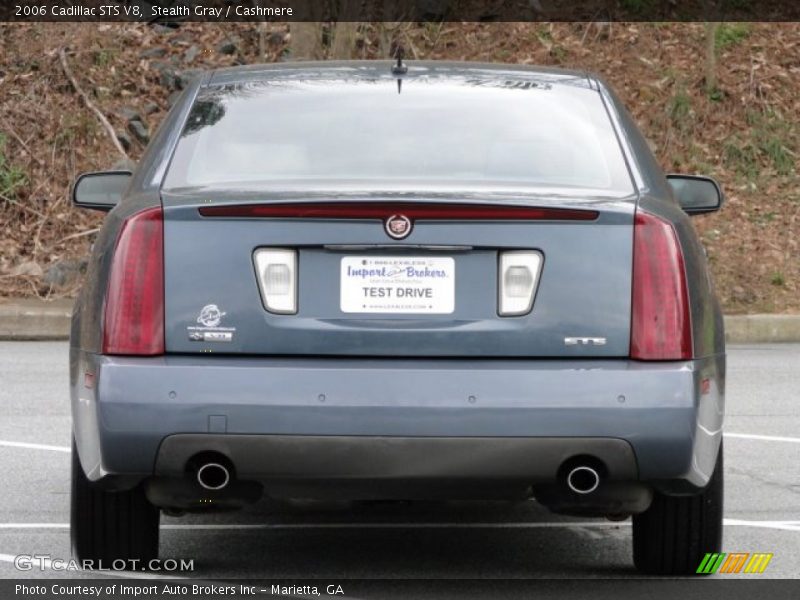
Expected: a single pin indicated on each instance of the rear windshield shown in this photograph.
(452, 132)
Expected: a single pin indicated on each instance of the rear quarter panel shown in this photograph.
(86, 331)
(708, 331)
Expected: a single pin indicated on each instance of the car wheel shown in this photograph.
(110, 526)
(675, 533)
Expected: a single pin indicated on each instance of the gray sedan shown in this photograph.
(369, 280)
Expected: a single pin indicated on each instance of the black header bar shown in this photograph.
(220, 11)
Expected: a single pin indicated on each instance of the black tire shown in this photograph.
(675, 533)
(110, 526)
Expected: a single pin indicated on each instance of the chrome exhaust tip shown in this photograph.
(213, 476)
(583, 480)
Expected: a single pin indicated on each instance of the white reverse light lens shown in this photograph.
(277, 279)
(518, 282)
(517, 279)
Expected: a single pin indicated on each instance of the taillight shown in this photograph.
(134, 313)
(661, 326)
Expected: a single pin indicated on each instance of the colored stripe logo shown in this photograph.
(735, 562)
(758, 563)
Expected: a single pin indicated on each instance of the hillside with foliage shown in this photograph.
(721, 100)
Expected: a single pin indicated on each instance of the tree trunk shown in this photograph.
(306, 41)
(344, 39)
(711, 57)
(262, 40)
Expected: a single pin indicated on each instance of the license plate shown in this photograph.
(398, 284)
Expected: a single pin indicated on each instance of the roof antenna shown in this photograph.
(399, 68)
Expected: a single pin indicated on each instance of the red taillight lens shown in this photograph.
(134, 314)
(661, 327)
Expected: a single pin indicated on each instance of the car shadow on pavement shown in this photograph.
(400, 541)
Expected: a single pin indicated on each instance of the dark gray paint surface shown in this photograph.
(584, 288)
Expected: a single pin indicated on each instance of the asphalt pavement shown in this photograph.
(393, 540)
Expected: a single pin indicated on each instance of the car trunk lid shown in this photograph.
(214, 301)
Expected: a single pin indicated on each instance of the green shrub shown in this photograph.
(730, 34)
(770, 142)
(778, 279)
(11, 177)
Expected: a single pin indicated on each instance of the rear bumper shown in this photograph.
(419, 419)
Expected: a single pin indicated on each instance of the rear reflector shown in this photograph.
(383, 210)
(661, 323)
(277, 279)
(134, 312)
(518, 275)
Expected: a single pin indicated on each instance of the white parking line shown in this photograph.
(781, 525)
(35, 446)
(34, 525)
(766, 438)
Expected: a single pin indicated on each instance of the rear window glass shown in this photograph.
(452, 132)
